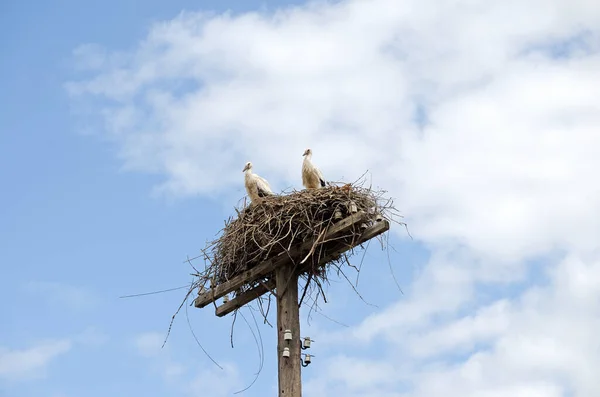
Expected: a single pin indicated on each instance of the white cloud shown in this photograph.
(543, 342)
(506, 131)
(31, 362)
(500, 170)
(359, 374)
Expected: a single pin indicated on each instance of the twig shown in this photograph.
(155, 292)
(196, 338)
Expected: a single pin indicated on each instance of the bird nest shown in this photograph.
(296, 225)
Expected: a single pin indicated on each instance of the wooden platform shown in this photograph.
(263, 273)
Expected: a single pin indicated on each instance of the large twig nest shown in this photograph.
(289, 225)
(278, 223)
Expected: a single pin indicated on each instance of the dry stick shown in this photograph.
(360, 177)
(312, 249)
(196, 338)
(173, 318)
(320, 287)
(331, 319)
(390, 265)
(154, 292)
(319, 291)
(259, 355)
(305, 289)
(280, 239)
(355, 290)
(287, 234)
(261, 307)
(320, 312)
(347, 261)
(291, 241)
(232, 324)
(361, 262)
(262, 310)
(409, 235)
(262, 345)
(268, 309)
(191, 264)
(212, 283)
(191, 259)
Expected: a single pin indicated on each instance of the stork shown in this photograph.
(312, 178)
(256, 187)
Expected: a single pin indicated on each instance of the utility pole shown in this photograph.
(288, 319)
(279, 275)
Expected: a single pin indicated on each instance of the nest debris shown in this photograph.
(279, 223)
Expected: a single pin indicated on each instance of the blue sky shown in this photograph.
(78, 232)
(124, 129)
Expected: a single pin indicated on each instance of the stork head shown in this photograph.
(307, 152)
(247, 167)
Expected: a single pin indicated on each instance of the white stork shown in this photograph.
(256, 187)
(312, 178)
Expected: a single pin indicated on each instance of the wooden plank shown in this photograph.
(239, 301)
(288, 318)
(244, 298)
(341, 247)
(373, 231)
(269, 265)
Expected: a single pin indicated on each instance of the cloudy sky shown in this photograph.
(124, 129)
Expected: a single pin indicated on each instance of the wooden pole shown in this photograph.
(281, 273)
(288, 318)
